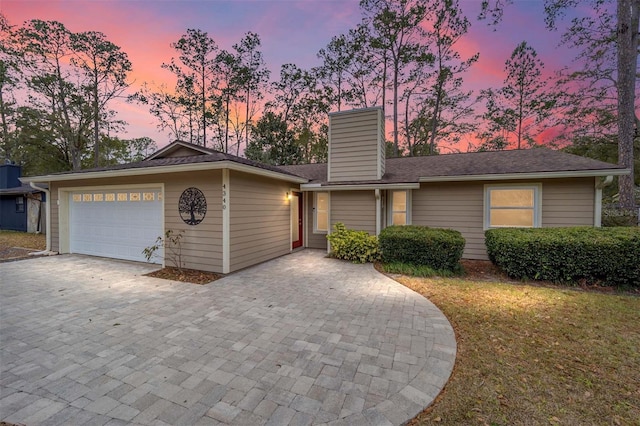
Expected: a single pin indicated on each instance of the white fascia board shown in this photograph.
(175, 168)
(533, 175)
(356, 187)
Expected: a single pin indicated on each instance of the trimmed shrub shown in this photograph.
(438, 249)
(355, 246)
(596, 255)
(612, 217)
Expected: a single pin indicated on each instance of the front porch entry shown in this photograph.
(296, 219)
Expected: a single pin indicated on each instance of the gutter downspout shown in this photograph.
(47, 251)
(597, 213)
(378, 212)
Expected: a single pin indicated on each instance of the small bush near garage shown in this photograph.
(355, 246)
(607, 256)
(614, 216)
(435, 248)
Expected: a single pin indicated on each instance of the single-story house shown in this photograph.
(21, 206)
(235, 212)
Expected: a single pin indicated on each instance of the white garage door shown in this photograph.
(115, 223)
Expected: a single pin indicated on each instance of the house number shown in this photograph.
(224, 196)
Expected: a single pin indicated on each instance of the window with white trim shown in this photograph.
(512, 206)
(398, 207)
(321, 212)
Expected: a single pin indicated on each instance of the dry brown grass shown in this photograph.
(17, 245)
(23, 240)
(533, 355)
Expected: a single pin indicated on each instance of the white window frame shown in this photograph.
(315, 213)
(20, 204)
(390, 210)
(537, 202)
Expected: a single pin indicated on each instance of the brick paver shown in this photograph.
(298, 340)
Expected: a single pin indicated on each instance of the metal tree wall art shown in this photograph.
(192, 206)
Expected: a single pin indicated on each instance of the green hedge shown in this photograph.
(598, 255)
(355, 246)
(439, 249)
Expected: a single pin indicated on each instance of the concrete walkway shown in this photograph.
(298, 340)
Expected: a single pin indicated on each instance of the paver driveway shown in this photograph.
(298, 340)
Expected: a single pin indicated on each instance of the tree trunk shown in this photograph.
(226, 129)
(436, 114)
(66, 125)
(204, 109)
(339, 91)
(246, 122)
(190, 125)
(396, 148)
(627, 38)
(406, 125)
(75, 153)
(384, 89)
(96, 121)
(5, 127)
(520, 118)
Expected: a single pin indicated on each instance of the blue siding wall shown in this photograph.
(9, 174)
(9, 219)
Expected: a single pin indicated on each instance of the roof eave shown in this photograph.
(531, 175)
(358, 187)
(174, 168)
(18, 192)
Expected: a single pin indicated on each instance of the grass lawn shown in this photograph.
(531, 355)
(22, 239)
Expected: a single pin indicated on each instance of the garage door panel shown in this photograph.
(118, 224)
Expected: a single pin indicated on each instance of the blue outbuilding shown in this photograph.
(22, 208)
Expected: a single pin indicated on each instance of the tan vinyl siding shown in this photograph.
(568, 202)
(355, 139)
(55, 229)
(453, 205)
(356, 209)
(260, 226)
(314, 240)
(201, 244)
(460, 206)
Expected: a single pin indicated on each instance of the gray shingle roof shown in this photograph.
(411, 169)
(173, 161)
(406, 169)
(17, 190)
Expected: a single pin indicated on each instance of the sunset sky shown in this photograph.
(292, 31)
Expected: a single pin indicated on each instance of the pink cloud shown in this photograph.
(292, 31)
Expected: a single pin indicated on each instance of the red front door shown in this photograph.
(296, 220)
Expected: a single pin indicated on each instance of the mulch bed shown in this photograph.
(185, 275)
(482, 270)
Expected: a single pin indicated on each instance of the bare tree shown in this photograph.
(623, 38)
(106, 67)
(523, 103)
(396, 31)
(195, 71)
